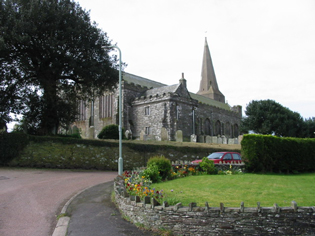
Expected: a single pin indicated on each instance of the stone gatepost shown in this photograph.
(179, 136)
(164, 134)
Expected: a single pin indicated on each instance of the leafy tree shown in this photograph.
(310, 127)
(270, 117)
(51, 56)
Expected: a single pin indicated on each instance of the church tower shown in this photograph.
(208, 84)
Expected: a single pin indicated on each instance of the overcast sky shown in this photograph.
(261, 49)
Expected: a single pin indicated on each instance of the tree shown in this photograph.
(51, 56)
(310, 127)
(270, 117)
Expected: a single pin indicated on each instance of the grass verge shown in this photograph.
(248, 188)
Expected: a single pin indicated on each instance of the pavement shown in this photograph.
(91, 212)
(31, 199)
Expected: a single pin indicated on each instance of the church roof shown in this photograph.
(210, 101)
(137, 80)
(208, 84)
(161, 90)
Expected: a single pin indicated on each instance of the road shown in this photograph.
(31, 199)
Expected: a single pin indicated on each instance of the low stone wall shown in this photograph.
(206, 220)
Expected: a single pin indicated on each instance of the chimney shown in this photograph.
(183, 81)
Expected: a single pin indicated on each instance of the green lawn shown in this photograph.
(248, 188)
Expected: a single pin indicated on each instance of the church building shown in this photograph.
(156, 111)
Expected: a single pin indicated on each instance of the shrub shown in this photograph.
(110, 132)
(164, 166)
(208, 166)
(152, 172)
(11, 144)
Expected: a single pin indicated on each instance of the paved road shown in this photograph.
(30, 199)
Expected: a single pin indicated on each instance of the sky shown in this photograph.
(261, 49)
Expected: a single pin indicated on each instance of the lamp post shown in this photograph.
(120, 159)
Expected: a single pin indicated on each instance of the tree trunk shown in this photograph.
(50, 119)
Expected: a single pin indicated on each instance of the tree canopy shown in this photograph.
(270, 117)
(51, 56)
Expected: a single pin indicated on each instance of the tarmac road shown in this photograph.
(31, 199)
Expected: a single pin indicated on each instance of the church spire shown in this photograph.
(208, 84)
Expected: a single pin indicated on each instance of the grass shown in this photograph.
(248, 188)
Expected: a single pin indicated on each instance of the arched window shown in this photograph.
(228, 129)
(236, 130)
(207, 127)
(217, 128)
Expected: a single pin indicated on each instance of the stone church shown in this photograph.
(156, 111)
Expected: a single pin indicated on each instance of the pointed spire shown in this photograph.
(208, 84)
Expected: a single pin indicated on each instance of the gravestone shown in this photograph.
(164, 134)
(214, 139)
(201, 139)
(224, 140)
(193, 138)
(128, 134)
(75, 130)
(142, 135)
(240, 138)
(231, 141)
(91, 132)
(179, 136)
(208, 139)
(219, 140)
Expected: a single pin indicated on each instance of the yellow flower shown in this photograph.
(143, 176)
(136, 185)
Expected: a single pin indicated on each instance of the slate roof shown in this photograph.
(210, 101)
(160, 88)
(130, 78)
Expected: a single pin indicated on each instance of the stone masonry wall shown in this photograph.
(206, 220)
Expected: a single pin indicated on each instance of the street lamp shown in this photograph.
(120, 159)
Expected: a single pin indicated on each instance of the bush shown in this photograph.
(11, 144)
(164, 166)
(152, 172)
(208, 166)
(110, 132)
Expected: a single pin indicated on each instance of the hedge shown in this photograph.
(267, 153)
(11, 144)
(60, 152)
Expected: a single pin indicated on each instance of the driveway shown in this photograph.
(31, 199)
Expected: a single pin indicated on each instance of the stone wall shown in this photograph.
(208, 220)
